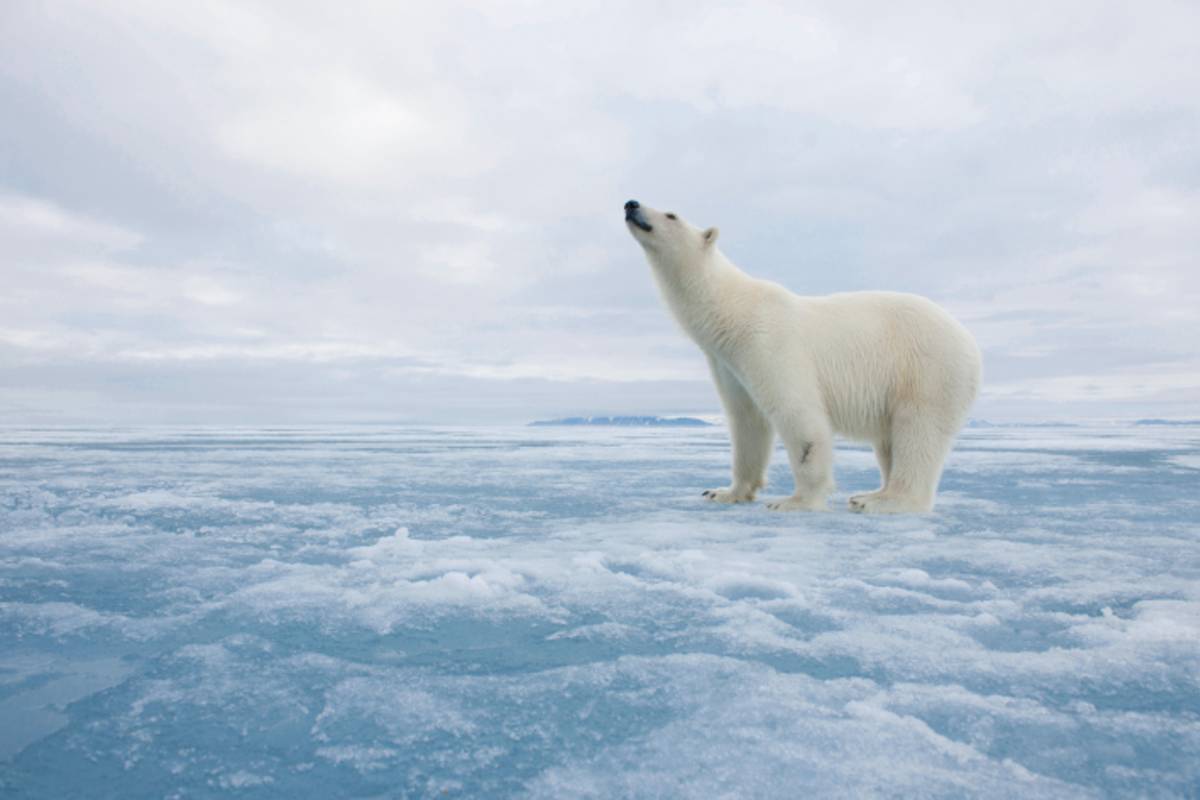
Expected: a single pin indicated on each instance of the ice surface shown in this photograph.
(558, 613)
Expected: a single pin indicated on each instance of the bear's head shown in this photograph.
(668, 239)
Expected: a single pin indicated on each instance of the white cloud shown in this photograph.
(336, 128)
(28, 222)
(441, 183)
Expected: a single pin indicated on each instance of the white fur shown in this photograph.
(888, 368)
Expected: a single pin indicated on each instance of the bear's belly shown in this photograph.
(857, 401)
(862, 422)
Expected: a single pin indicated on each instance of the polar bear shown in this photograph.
(887, 368)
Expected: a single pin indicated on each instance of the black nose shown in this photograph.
(632, 204)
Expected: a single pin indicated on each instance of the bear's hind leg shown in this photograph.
(919, 449)
(883, 454)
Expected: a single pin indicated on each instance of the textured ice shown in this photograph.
(558, 613)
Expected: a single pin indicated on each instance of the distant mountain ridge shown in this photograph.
(627, 421)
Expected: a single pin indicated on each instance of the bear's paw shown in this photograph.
(728, 495)
(794, 503)
(884, 503)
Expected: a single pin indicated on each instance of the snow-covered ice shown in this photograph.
(555, 613)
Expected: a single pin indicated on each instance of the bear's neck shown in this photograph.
(700, 296)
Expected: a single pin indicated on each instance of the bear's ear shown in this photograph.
(710, 236)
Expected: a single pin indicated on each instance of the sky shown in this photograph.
(297, 212)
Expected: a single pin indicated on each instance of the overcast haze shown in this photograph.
(294, 212)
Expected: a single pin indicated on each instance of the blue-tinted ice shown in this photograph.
(558, 613)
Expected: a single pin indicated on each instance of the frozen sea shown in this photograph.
(557, 613)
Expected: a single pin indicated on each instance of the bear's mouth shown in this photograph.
(634, 215)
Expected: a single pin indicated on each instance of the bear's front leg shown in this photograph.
(810, 451)
(751, 434)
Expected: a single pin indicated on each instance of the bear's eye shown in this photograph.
(670, 216)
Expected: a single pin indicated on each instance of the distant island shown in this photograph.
(660, 422)
(974, 422)
(1167, 422)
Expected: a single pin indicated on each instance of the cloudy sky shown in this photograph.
(254, 212)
